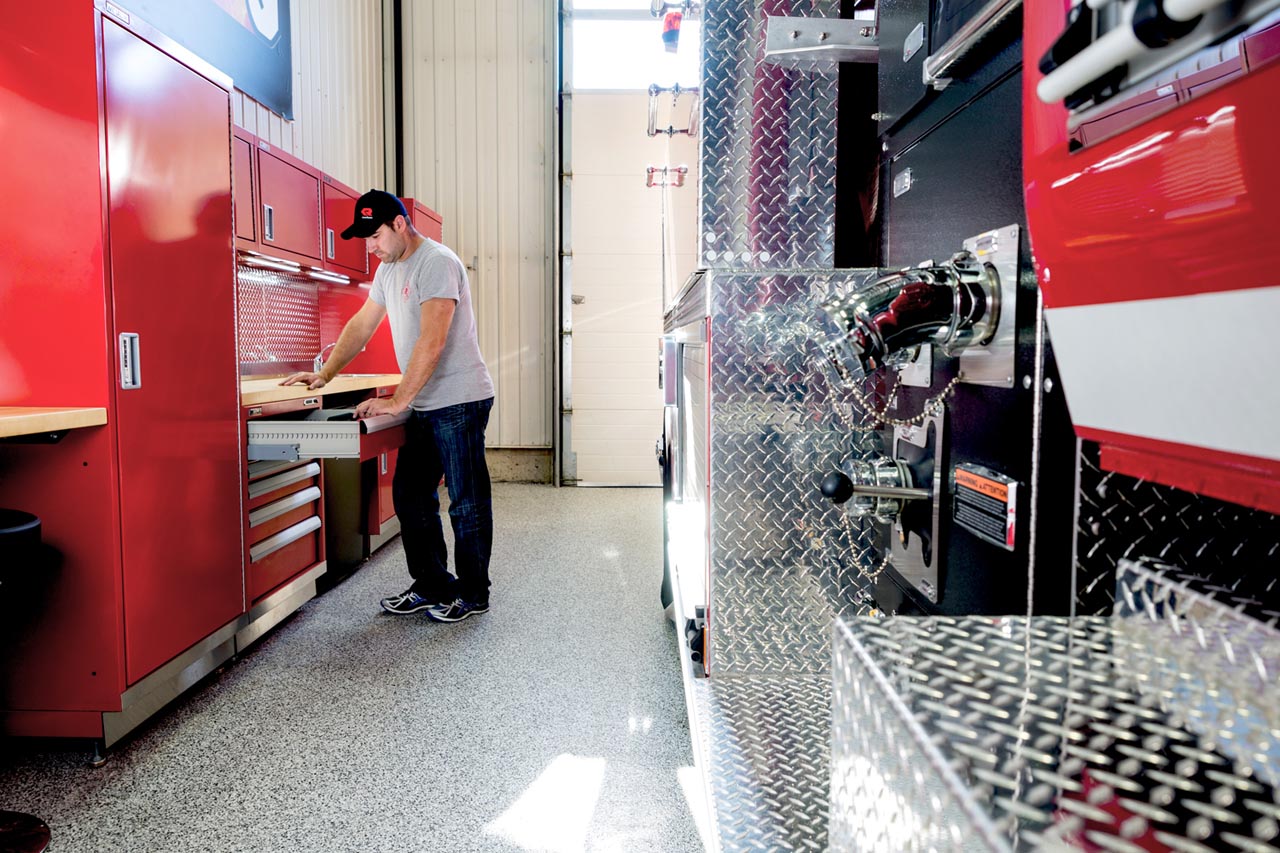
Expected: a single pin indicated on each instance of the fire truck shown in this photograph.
(970, 455)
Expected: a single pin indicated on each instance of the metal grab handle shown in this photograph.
(268, 222)
(279, 481)
(130, 361)
(378, 423)
(328, 239)
(672, 176)
(1113, 49)
(278, 508)
(900, 492)
(676, 91)
(938, 65)
(285, 537)
(689, 8)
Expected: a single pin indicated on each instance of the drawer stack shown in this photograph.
(284, 531)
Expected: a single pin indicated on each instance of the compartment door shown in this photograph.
(172, 269)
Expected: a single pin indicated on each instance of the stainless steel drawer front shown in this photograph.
(316, 436)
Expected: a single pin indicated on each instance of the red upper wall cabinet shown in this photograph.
(343, 256)
(243, 144)
(289, 204)
(425, 219)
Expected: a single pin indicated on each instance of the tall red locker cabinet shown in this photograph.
(172, 267)
(118, 162)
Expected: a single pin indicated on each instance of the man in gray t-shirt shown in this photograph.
(422, 287)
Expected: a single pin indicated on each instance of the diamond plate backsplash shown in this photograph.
(1226, 549)
(278, 320)
(768, 138)
(784, 560)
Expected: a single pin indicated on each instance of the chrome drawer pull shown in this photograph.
(285, 537)
(270, 484)
(278, 508)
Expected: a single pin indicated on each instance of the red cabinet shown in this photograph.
(289, 204)
(133, 136)
(277, 201)
(425, 219)
(245, 187)
(284, 531)
(344, 256)
(176, 409)
(379, 508)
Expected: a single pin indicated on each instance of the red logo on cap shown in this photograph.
(366, 212)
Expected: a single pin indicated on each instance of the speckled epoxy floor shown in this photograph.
(554, 722)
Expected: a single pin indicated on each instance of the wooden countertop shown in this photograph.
(30, 420)
(254, 392)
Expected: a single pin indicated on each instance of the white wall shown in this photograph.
(337, 92)
(480, 117)
(618, 273)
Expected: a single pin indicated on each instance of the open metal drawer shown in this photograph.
(324, 434)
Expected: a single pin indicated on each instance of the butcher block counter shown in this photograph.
(255, 392)
(31, 420)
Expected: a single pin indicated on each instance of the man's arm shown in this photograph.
(437, 316)
(355, 335)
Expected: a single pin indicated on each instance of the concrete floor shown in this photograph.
(556, 722)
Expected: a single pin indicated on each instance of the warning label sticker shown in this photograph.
(986, 504)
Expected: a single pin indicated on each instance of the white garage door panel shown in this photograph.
(618, 276)
(606, 419)
(630, 396)
(597, 439)
(626, 346)
(640, 371)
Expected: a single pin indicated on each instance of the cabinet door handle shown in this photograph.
(130, 361)
(384, 464)
(268, 222)
(328, 238)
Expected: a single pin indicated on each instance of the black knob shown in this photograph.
(1076, 37)
(837, 486)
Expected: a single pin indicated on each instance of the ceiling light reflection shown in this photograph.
(554, 813)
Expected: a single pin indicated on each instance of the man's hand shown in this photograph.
(380, 406)
(311, 380)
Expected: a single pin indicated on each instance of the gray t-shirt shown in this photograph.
(434, 272)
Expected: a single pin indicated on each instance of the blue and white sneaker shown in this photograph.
(456, 610)
(405, 603)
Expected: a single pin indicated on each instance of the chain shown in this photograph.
(870, 575)
(874, 416)
(931, 406)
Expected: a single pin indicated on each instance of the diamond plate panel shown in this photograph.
(278, 318)
(768, 137)
(784, 561)
(1096, 733)
(1224, 546)
(1215, 656)
(768, 762)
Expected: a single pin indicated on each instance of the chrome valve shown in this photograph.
(954, 305)
(878, 488)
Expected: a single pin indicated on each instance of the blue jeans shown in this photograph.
(448, 442)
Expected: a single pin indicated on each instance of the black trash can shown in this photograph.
(19, 541)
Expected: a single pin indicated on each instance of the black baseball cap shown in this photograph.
(373, 210)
